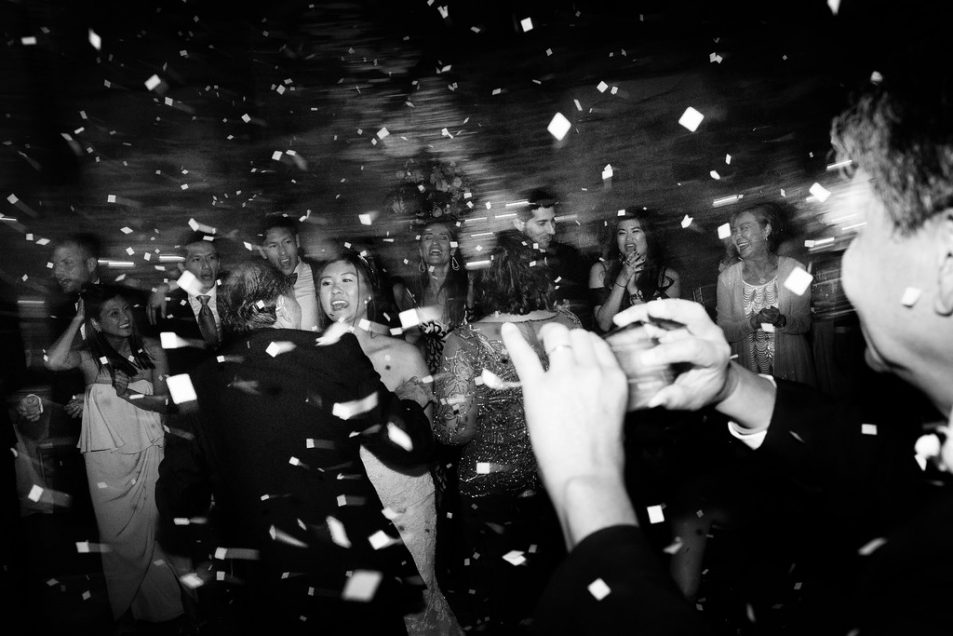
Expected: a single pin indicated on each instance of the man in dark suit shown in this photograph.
(281, 246)
(276, 426)
(189, 315)
(887, 522)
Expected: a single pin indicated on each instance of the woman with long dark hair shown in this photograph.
(632, 269)
(440, 289)
(122, 442)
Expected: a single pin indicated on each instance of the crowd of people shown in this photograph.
(276, 446)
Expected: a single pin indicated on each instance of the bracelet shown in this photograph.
(623, 286)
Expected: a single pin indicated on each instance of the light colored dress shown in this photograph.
(792, 358)
(412, 508)
(122, 446)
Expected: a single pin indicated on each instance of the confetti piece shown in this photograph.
(399, 437)
(674, 547)
(245, 554)
(690, 119)
(686, 221)
(820, 192)
(321, 444)
(655, 514)
(153, 82)
(876, 77)
(598, 589)
(515, 557)
(714, 175)
(728, 159)
(361, 585)
(910, 296)
(868, 429)
(724, 231)
(734, 198)
(798, 281)
(526, 24)
(601, 87)
(189, 283)
(834, 5)
(495, 382)
(871, 546)
(276, 348)
(607, 172)
(347, 410)
(366, 219)
(767, 327)
(381, 539)
(559, 126)
(338, 533)
(192, 580)
(383, 132)
(409, 318)
(333, 333)
(180, 388)
(283, 537)
(484, 468)
(35, 493)
(86, 547)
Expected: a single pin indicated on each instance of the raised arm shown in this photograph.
(455, 388)
(62, 355)
(611, 303)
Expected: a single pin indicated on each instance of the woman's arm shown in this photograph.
(603, 313)
(675, 289)
(455, 421)
(413, 386)
(159, 400)
(62, 355)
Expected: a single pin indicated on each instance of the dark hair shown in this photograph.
(457, 282)
(95, 298)
(195, 237)
(249, 295)
(766, 214)
(517, 281)
(537, 198)
(272, 221)
(88, 243)
(367, 270)
(651, 280)
(901, 134)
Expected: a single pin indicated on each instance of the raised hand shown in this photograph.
(156, 306)
(120, 381)
(74, 408)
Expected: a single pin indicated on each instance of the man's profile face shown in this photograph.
(281, 249)
(201, 259)
(540, 228)
(72, 267)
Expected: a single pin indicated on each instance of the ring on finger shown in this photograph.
(561, 345)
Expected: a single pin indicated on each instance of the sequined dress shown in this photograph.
(507, 537)
(759, 350)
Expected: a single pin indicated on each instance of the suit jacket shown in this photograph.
(269, 443)
(181, 320)
(859, 483)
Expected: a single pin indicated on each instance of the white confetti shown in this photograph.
(868, 429)
(598, 589)
(347, 410)
(601, 87)
(526, 24)
(28, 40)
(690, 119)
(910, 296)
(276, 155)
(35, 493)
(276, 348)
(189, 283)
(559, 126)
(655, 514)
(172, 340)
(338, 533)
(607, 172)
(180, 388)
(724, 231)
(381, 539)
(820, 192)
(686, 221)
(361, 585)
(871, 546)
(798, 281)
(152, 82)
(399, 437)
(714, 175)
(515, 557)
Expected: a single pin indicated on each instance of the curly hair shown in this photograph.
(248, 297)
(901, 134)
(518, 280)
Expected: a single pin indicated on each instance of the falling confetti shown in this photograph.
(559, 126)
(690, 119)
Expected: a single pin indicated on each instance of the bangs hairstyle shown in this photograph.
(248, 297)
(273, 221)
(649, 279)
(901, 134)
(369, 276)
(95, 298)
(518, 280)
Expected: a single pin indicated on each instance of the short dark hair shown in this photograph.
(249, 296)
(536, 198)
(87, 242)
(517, 281)
(272, 221)
(195, 237)
(372, 275)
(901, 134)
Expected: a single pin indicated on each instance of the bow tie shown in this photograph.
(293, 277)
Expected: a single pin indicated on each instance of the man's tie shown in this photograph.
(293, 277)
(207, 322)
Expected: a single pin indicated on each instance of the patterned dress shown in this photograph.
(759, 346)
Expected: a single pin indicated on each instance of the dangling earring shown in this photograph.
(454, 265)
(421, 267)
